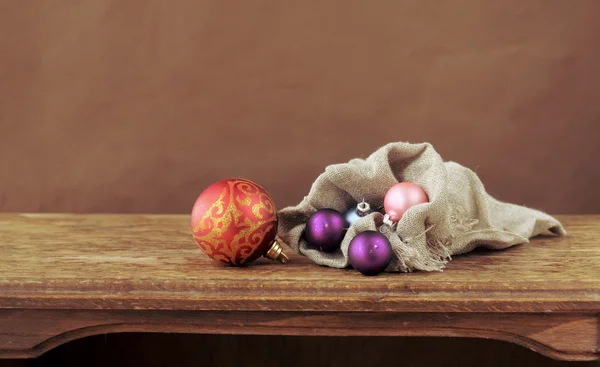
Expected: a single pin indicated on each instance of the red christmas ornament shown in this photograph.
(234, 221)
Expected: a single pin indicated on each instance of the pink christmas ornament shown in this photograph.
(402, 196)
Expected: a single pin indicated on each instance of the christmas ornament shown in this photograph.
(400, 197)
(370, 252)
(234, 221)
(325, 229)
(354, 214)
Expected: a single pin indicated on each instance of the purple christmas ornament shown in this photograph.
(370, 252)
(325, 229)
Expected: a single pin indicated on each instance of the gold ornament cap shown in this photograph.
(276, 253)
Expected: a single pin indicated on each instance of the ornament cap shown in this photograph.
(363, 208)
(388, 225)
(276, 253)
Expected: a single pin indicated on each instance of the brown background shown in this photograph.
(136, 106)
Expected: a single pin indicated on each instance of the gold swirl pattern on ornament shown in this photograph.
(215, 221)
(226, 216)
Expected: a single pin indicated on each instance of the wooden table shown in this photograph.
(63, 277)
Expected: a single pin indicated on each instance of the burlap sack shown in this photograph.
(459, 217)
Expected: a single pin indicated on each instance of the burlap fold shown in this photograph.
(459, 217)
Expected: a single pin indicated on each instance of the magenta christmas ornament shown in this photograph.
(370, 252)
(325, 230)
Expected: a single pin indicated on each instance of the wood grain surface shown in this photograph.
(66, 276)
(151, 262)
